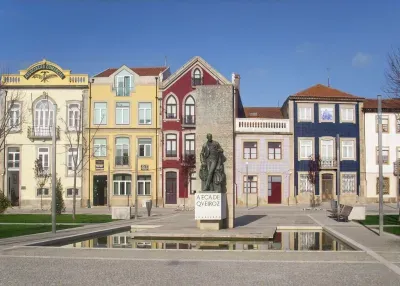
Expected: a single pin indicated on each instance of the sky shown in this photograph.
(278, 47)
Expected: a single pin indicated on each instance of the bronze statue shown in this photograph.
(212, 166)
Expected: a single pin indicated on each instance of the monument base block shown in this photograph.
(210, 210)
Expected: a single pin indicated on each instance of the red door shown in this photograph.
(276, 193)
(170, 188)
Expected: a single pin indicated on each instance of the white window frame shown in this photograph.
(43, 118)
(15, 116)
(307, 115)
(252, 184)
(171, 147)
(147, 147)
(248, 152)
(74, 116)
(146, 120)
(385, 123)
(345, 111)
(344, 143)
(124, 91)
(44, 154)
(171, 108)
(122, 146)
(99, 149)
(384, 149)
(190, 144)
(303, 181)
(190, 110)
(122, 109)
(274, 155)
(323, 106)
(69, 192)
(100, 112)
(144, 180)
(40, 191)
(117, 192)
(14, 163)
(72, 152)
(302, 140)
(346, 184)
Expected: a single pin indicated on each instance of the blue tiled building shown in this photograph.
(318, 114)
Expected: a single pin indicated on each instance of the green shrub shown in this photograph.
(4, 203)
(60, 205)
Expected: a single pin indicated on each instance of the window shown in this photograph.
(304, 184)
(74, 116)
(349, 185)
(70, 192)
(197, 78)
(122, 151)
(144, 113)
(397, 125)
(305, 113)
(13, 158)
(100, 147)
(250, 185)
(385, 123)
(306, 148)
(100, 113)
(15, 116)
(122, 184)
(347, 114)
(43, 155)
(42, 192)
(189, 144)
(171, 145)
(189, 110)
(144, 185)
(326, 152)
(124, 85)
(348, 149)
(326, 113)
(192, 179)
(385, 155)
(274, 150)
(249, 150)
(171, 108)
(73, 159)
(122, 110)
(273, 179)
(386, 185)
(43, 119)
(144, 147)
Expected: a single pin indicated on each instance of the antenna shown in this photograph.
(278, 103)
(165, 61)
(328, 70)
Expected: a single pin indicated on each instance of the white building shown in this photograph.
(390, 148)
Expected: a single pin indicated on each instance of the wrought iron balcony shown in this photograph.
(197, 81)
(189, 120)
(122, 160)
(42, 132)
(328, 163)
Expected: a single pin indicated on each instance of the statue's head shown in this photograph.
(209, 137)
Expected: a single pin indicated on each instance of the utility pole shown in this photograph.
(338, 174)
(136, 187)
(54, 172)
(380, 164)
(247, 185)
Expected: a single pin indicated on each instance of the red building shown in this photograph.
(179, 126)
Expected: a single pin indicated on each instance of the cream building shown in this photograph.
(390, 148)
(39, 89)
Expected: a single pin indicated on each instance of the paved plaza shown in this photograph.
(375, 262)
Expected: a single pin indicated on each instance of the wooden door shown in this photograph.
(170, 188)
(276, 193)
(327, 187)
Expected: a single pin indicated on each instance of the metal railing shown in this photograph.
(42, 132)
(189, 120)
(122, 160)
(328, 163)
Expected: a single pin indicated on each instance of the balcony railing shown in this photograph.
(189, 120)
(197, 81)
(259, 125)
(13, 164)
(122, 160)
(328, 163)
(42, 132)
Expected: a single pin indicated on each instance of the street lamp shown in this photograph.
(247, 185)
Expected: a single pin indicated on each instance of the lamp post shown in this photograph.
(4, 143)
(380, 161)
(54, 172)
(156, 178)
(89, 125)
(247, 184)
(136, 186)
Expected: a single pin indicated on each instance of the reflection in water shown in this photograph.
(285, 240)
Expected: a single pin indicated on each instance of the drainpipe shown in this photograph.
(156, 177)
(90, 118)
(4, 144)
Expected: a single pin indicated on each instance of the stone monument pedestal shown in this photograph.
(210, 210)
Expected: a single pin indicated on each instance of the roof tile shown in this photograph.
(324, 92)
(263, 112)
(387, 104)
(142, 71)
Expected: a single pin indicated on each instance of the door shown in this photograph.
(327, 187)
(99, 190)
(274, 189)
(170, 188)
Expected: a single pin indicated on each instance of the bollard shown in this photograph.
(149, 204)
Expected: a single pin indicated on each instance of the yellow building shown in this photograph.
(37, 93)
(123, 121)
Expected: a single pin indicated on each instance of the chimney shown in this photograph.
(236, 80)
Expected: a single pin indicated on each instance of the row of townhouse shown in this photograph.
(133, 129)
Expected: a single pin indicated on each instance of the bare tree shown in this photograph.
(42, 176)
(78, 145)
(188, 168)
(313, 169)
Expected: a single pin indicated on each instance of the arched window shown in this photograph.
(171, 108)
(189, 110)
(197, 78)
(43, 118)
